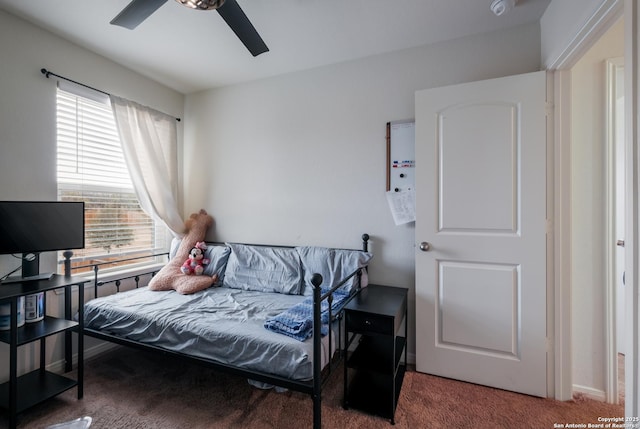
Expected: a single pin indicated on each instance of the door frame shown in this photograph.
(560, 169)
(612, 339)
(632, 242)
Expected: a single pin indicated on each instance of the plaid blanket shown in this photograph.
(297, 321)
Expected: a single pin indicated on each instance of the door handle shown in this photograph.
(425, 247)
(620, 243)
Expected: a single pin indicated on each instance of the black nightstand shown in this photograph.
(376, 314)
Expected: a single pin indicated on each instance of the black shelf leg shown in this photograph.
(43, 355)
(80, 340)
(13, 365)
(68, 346)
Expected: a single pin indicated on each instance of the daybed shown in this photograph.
(274, 317)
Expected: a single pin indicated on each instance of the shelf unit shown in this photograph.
(27, 390)
(374, 318)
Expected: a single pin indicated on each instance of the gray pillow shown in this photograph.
(218, 257)
(333, 264)
(175, 243)
(264, 269)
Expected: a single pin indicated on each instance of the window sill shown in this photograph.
(111, 276)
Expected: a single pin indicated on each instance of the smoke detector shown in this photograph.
(499, 7)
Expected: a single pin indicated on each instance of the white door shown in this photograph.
(481, 207)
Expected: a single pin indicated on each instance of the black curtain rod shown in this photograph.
(48, 73)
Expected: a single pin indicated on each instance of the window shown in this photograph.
(91, 168)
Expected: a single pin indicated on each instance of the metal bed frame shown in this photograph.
(312, 387)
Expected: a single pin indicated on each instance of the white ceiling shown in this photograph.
(191, 50)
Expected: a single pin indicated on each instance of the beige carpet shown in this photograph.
(135, 390)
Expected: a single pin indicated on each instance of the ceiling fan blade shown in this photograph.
(236, 19)
(136, 12)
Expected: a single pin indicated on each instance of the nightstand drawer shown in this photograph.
(369, 323)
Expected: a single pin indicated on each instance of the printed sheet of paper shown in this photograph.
(403, 206)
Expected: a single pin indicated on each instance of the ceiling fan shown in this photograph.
(139, 10)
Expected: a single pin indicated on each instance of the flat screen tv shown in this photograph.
(31, 227)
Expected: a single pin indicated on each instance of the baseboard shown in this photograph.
(589, 392)
(89, 353)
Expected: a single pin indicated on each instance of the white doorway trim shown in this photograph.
(614, 66)
(601, 20)
(594, 27)
(632, 267)
(563, 384)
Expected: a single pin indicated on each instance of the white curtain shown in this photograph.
(149, 143)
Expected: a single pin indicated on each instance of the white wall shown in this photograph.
(27, 118)
(588, 212)
(300, 158)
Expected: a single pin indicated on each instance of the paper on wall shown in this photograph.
(402, 205)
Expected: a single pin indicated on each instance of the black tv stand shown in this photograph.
(24, 391)
(36, 278)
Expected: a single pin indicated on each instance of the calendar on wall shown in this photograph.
(401, 167)
(401, 138)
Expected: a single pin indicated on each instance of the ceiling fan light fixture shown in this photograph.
(202, 4)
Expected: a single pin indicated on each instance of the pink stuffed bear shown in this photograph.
(170, 277)
(196, 261)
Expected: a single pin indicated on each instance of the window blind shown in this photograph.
(91, 168)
